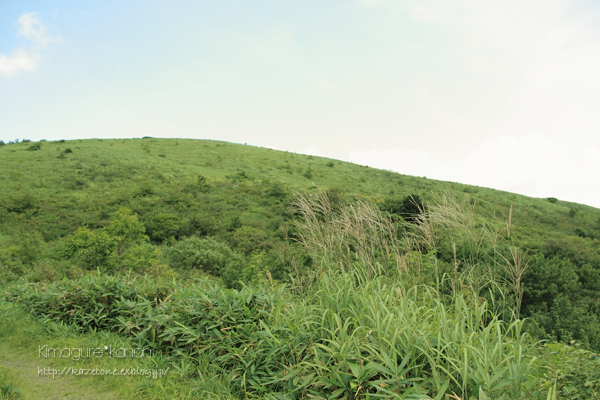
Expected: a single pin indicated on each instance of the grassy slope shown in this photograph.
(54, 192)
(106, 171)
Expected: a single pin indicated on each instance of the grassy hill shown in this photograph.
(186, 209)
(40, 179)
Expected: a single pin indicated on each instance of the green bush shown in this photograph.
(200, 225)
(408, 208)
(248, 239)
(111, 246)
(163, 226)
(547, 278)
(92, 249)
(581, 232)
(140, 257)
(34, 147)
(200, 186)
(241, 176)
(23, 248)
(308, 174)
(205, 254)
(74, 183)
(143, 190)
(21, 203)
(277, 191)
(575, 371)
(412, 206)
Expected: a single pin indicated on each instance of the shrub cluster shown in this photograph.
(344, 339)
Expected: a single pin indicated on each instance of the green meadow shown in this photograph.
(252, 273)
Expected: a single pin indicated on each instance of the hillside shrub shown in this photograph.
(248, 239)
(73, 183)
(21, 203)
(161, 226)
(278, 191)
(27, 247)
(121, 244)
(140, 257)
(241, 176)
(200, 186)
(408, 207)
(575, 371)
(411, 207)
(200, 225)
(581, 232)
(143, 190)
(205, 254)
(308, 174)
(547, 279)
(91, 248)
(34, 147)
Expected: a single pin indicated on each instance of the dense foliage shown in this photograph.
(178, 210)
(342, 340)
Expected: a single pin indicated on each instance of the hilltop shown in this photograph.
(109, 172)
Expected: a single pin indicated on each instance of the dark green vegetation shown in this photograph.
(377, 285)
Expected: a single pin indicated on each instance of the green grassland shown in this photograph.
(257, 273)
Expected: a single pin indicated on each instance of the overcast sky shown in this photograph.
(502, 94)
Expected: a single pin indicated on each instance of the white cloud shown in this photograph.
(500, 66)
(549, 50)
(18, 60)
(32, 28)
(532, 164)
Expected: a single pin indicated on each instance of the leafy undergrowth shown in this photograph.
(347, 337)
(27, 373)
(577, 371)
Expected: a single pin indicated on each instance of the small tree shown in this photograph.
(206, 254)
(412, 206)
(125, 230)
(91, 248)
(408, 208)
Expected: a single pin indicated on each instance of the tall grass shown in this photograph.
(350, 337)
(346, 236)
(372, 287)
(366, 326)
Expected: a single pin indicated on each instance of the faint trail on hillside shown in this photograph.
(46, 387)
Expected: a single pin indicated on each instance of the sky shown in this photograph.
(501, 94)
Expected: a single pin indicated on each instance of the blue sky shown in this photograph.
(497, 94)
